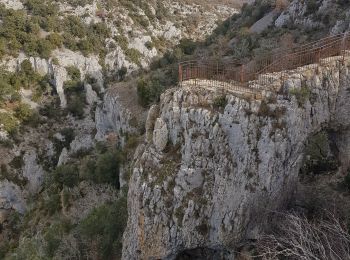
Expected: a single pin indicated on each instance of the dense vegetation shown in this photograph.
(23, 32)
(103, 226)
(10, 84)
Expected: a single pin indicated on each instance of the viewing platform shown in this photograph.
(265, 74)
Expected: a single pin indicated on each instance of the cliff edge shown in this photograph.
(214, 164)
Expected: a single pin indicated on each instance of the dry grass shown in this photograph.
(297, 237)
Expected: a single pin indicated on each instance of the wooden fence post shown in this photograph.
(242, 74)
(318, 55)
(217, 70)
(343, 46)
(180, 74)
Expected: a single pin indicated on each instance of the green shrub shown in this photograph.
(9, 122)
(73, 73)
(54, 234)
(149, 45)
(220, 102)
(311, 7)
(64, 175)
(76, 105)
(51, 23)
(302, 95)
(17, 162)
(52, 203)
(122, 41)
(53, 242)
(122, 73)
(42, 8)
(69, 136)
(343, 3)
(12, 176)
(44, 48)
(27, 68)
(75, 26)
(55, 61)
(55, 39)
(150, 89)
(107, 169)
(7, 90)
(74, 89)
(133, 55)
(26, 77)
(76, 3)
(100, 31)
(24, 112)
(141, 20)
(318, 155)
(144, 92)
(34, 120)
(104, 168)
(86, 46)
(52, 110)
(188, 46)
(69, 41)
(107, 234)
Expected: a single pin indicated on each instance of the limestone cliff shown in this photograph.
(88, 66)
(119, 115)
(208, 171)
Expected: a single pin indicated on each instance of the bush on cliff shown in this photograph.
(102, 168)
(104, 227)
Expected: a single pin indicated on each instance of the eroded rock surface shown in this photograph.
(225, 167)
(119, 114)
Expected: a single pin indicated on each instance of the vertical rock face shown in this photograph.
(223, 168)
(88, 66)
(11, 198)
(33, 172)
(119, 114)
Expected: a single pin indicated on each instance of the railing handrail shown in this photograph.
(302, 52)
(234, 71)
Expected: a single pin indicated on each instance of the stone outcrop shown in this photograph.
(119, 114)
(225, 167)
(91, 95)
(88, 66)
(262, 24)
(12, 4)
(298, 14)
(11, 197)
(160, 134)
(33, 172)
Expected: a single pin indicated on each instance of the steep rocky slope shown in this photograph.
(137, 33)
(94, 68)
(206, 176)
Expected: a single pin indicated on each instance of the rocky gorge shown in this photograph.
(103, 156)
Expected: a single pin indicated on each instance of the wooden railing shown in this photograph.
(258, 70)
